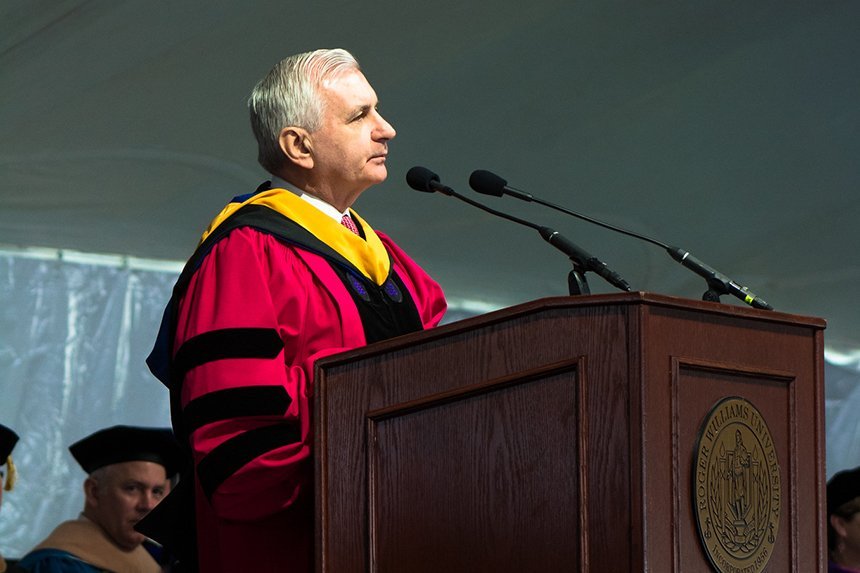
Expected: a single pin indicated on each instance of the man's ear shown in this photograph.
(295, 142)
(838, 525)
(91, 492)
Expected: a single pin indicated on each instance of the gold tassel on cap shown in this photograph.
(12, 475)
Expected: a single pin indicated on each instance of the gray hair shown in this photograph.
(99, 478)
(100, 474)
(289, 96)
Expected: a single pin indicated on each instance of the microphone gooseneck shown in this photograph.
(425, 180)
(489, 183)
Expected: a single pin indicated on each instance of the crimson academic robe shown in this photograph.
(274, 286)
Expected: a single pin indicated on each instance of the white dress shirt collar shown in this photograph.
(330, 210)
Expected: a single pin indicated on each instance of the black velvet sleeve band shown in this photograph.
(229, 457)
(226, 343)
(235, 403)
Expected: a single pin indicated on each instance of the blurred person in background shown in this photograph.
(843, 522)
(8, 439)
(128, 473)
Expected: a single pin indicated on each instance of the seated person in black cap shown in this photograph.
(128, 474)
(8, 439)
(843, 522)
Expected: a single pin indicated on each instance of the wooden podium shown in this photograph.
(561, 435)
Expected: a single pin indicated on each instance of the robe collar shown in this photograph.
(367, 254)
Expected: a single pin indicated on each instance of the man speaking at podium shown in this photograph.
(283, 276)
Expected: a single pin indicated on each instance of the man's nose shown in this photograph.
(385, 130)
(147, 501)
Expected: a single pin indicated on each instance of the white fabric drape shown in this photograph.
(74, 333)
(842, 403)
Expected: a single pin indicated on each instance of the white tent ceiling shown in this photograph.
(729, 128)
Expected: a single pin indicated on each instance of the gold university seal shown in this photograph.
(736, 488)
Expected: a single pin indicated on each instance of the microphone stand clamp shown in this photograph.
(577, 284)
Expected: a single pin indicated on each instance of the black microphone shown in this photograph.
(422, 179)
(489, 183)
(717, 280)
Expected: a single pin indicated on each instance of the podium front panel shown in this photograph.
(455, 480)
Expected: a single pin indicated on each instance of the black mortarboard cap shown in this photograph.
(128, 444)
(8, 439)
(842, 487)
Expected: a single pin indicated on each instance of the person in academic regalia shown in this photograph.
(283, 276)
(843, 522)
(128, 473)
(8, 475)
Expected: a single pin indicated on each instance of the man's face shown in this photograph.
(350, 147)
(122, 495)
(850, 532)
